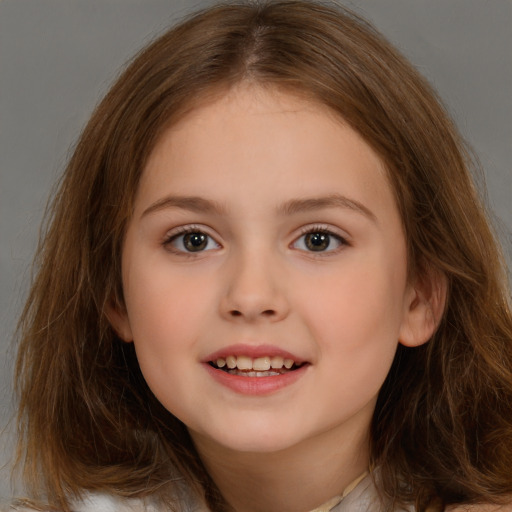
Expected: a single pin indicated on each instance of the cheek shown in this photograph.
(166, 309)
(355, 316)
(357, 349)
(166, 312)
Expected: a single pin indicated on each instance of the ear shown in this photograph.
(424, 306)
(118, 318)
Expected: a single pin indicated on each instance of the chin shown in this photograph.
(243, 439)
(261, 445)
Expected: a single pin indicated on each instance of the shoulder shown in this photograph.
(94, 503)
(507, 507)
(109, 503)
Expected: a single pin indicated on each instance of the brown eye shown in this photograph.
(191, 241)
(319, 241)
(195, 241)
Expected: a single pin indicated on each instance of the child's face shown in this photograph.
(264, 228)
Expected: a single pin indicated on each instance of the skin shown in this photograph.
(256, 158)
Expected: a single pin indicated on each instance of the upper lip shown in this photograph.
(253, 351)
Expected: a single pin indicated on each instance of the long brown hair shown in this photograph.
(442, 427)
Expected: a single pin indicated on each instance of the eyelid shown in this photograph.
(327, 229)
(175, 233)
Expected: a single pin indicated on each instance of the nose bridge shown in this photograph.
(254, 287)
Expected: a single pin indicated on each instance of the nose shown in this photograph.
(254, 290)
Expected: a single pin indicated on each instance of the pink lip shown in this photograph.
(255, 385)
(253, 351)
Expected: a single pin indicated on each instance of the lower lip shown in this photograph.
(256, 385)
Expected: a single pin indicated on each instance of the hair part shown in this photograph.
(442, 427)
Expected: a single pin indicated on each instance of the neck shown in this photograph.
(298, 478)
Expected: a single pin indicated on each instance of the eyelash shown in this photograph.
(182, 232)
(309, 230)
(322, 230)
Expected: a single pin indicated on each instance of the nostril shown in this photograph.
(266, 313)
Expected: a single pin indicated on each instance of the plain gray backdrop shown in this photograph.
(58, 57)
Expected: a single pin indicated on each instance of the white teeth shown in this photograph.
(254, 373)
(244, 363)
(277, 362)
(262, 365)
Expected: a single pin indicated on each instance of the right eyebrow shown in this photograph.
(191, 203)
(330, 201)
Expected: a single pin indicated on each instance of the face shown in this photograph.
(264, 273)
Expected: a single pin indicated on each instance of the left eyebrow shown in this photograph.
(317, 203)
(191, 203)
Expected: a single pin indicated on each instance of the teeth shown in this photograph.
(259, 364)
(254, 373)
(244, 363)
(277, 362)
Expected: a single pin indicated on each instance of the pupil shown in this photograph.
(317, 241)
(195, 241)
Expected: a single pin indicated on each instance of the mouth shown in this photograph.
(265, 366)
(260, 370)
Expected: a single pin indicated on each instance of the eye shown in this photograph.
(319, 240)
(191, 241)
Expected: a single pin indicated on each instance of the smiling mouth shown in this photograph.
(245, 366)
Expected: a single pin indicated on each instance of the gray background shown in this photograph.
(57, 58)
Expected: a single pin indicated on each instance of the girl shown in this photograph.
(267, 284)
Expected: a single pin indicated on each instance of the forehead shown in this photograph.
(253, 137)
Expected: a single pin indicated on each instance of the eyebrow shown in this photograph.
(330, 201)
(192, 203)
(201, 205)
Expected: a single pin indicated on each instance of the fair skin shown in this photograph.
(264, 226)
